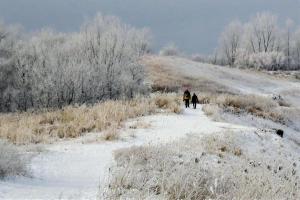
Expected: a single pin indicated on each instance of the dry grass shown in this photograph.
(157, 173)
(111, 133)
(214, 144)
(213, 111)
(171, 102)
(140, 125)
(72, 122)
(213, 167)
(255, 105)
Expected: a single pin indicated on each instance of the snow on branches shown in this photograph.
(50, 69)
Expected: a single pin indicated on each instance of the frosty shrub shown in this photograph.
(267, 60)
(11, 162)
(217, 166)
(242, 58)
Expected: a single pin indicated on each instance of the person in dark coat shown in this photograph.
(187, 98)
(195, 100)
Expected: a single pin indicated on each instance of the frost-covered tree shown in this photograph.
(261, 44)
(262, 33)
(296, 49)
(231, 40)
(9, 36)
(287, 41)
(50, 69)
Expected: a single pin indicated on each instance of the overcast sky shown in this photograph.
(194, 25)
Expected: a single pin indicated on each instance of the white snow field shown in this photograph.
(76, 169)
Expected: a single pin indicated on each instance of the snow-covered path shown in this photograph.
(75, 169)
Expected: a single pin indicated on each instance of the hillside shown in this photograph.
(234, 80)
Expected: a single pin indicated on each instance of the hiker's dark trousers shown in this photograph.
(194, 105)
(187, 103)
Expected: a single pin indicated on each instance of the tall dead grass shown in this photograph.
(169, 102)
(258, 106)
(72, 121)
(210, 167)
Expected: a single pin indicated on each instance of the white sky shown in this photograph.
(194, 25)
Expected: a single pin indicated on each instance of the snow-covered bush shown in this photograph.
(242, 58)
(267, 60)
(212, 59)
(11, 162)
(170, 50)
(263, 60)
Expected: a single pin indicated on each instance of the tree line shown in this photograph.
(51, 70)
(261, 43)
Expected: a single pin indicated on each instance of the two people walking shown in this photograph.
(187, 97)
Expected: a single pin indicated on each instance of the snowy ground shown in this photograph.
(76, 169)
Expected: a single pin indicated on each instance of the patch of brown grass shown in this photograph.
(255, 105)
(238, 152)
(73, 122)
(140, 125)
(171, 103)
(213, 111)
(111, 134)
